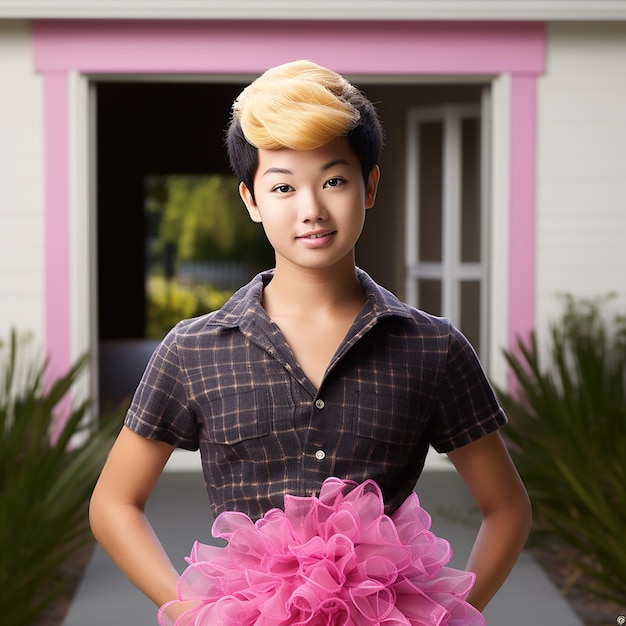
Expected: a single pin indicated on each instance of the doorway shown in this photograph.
(154, 136)
(160, 145)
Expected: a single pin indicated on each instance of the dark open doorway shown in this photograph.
(149, 130)
(152, 137)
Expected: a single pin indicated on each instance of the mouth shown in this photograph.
(317, 239)
(317, 234)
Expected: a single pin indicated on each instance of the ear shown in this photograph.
(372, 187)
(248, 200)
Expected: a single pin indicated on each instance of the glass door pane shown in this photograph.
(470, 311)
(430, 218)
(429, 293)
(470, 191)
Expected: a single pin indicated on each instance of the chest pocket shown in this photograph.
(388, 418)
(233, 417)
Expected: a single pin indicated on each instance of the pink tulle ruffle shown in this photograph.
(332, 560)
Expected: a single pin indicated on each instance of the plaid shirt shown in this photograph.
(228, 383)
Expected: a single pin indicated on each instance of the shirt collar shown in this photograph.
(246, 302)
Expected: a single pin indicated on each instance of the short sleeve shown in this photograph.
(159, 409)
(467, 408)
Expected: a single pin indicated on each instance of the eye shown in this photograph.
(335, 182)
(282, 188)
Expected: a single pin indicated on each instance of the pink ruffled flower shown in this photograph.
(332, 560)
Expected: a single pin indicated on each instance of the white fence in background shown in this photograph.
(220, 274)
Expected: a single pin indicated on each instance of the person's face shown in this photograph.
(311, 203)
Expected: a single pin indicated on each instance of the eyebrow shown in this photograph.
(333, 163)
(327, 166)
(276, 170)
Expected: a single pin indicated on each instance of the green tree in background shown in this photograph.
(206, 220)
(201, 222)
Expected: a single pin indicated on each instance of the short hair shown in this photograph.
(300, 106)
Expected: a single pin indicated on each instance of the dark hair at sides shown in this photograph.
(365, 139)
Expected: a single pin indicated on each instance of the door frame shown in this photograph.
(70, 54)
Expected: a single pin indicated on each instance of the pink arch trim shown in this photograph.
(389, 48)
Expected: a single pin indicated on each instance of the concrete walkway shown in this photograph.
(179, 513)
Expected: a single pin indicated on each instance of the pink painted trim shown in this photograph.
(522, 211)
(246, 47)
(57, 243)
(251, 47)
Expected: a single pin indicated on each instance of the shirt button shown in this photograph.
(319, 403)
(320, 455)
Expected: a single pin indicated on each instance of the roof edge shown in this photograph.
(334, 10)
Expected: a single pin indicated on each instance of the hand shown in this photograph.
(178, 613)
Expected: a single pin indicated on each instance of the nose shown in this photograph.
(312, 208)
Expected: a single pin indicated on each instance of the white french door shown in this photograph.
(446, 215)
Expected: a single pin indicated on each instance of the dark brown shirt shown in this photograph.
(228, 384)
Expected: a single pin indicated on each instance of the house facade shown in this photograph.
(504, 172)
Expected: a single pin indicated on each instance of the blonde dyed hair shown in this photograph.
(298, 105)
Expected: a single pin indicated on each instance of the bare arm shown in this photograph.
(490, 475)
(117, 518)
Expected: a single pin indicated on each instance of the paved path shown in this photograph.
(179, 513)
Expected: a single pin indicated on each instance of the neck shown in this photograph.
(314, 289)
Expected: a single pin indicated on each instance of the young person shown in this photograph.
(311, 370)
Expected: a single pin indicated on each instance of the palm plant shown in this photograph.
(44, 484)
(567, 435)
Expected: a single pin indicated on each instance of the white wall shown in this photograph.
(21, 185)
(581, 202)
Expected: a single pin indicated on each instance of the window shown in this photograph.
(446, 268)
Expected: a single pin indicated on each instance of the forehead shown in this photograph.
(337, 152)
